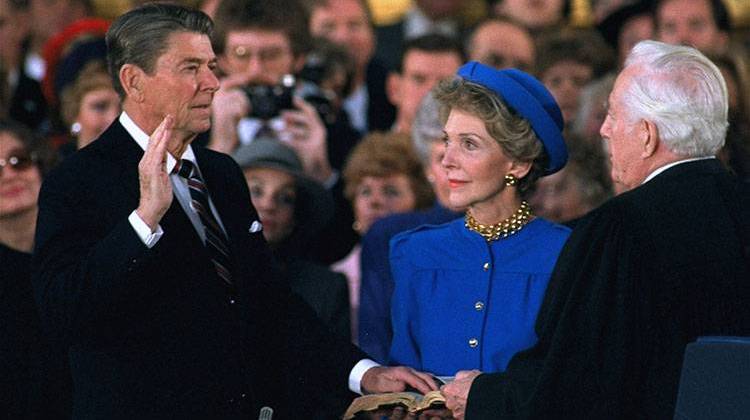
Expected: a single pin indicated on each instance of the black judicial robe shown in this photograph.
(640, 277)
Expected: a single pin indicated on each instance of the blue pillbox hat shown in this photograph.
(528, 98)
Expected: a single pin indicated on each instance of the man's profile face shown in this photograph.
(503, 45)
(689, 22)
(263, 56)
(344, 22)
(625, 154)
(182, 84)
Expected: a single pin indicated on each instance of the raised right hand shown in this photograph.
(155, 187)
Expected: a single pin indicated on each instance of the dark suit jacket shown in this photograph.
(153, 333)
(381, 114)
(324, 290)
(640, 278)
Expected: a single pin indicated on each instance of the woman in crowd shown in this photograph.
(90, 103)
(35, 378)
(292, 208)
(468, 292)
(581, 186)
(382, 176)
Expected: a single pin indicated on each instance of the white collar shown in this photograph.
(661, 169)
(141, 138)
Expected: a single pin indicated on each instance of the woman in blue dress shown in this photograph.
(468, 292)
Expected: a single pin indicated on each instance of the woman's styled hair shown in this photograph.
(512, 132)
(386, 154)
(93, 77)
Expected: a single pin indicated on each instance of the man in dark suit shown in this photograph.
(646, 273)
(348, 23)
(151, 266)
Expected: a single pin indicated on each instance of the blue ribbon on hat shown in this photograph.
(531, 100)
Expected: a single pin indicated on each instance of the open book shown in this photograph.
(413, 402)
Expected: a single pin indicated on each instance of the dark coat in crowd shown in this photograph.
(34, 375)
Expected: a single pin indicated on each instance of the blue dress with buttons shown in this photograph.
(463, 303)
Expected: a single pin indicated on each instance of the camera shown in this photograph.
(267, 102)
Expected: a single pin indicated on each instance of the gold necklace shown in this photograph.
(504, 228)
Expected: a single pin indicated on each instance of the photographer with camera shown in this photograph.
(260, 46)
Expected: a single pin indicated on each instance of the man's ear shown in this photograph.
(132, 79)
(648, 136)
(393, 88)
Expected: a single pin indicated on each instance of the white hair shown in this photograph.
(426, 127)
(682, 92)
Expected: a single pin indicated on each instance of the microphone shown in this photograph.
(265, 413)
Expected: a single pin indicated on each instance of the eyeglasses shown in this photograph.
(265, 55)
(19, 162)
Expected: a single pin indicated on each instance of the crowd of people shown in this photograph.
(213, 208)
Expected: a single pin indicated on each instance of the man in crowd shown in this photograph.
(166, 294)
(426, 61)
(702, 24)
(347, 23)
(646, 273)
(424, 17)
(259, 43)
(502, 43)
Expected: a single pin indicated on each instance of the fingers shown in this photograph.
(304, 115)
(304, 106)
(155, 188)
(234, 80)
(421, 381)
(465, 374)
(163, 140)
(156, 149)
(427, 379)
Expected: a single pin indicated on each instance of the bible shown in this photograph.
(412, 401)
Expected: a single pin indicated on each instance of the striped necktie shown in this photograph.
(216, 240)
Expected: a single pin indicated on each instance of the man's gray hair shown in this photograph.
(427, 127)
(682, 92)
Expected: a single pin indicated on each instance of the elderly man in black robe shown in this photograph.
(646, 273)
